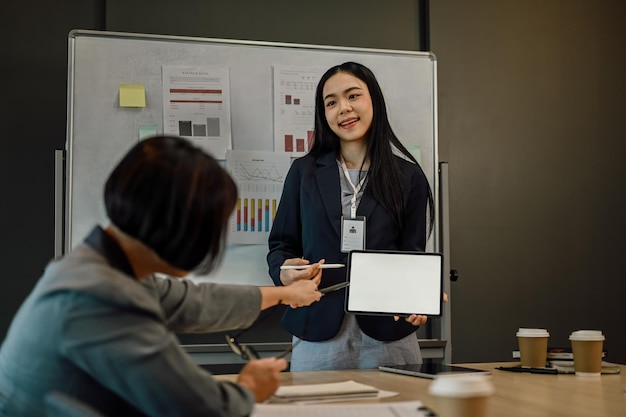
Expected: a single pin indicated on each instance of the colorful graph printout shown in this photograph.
(259, 177)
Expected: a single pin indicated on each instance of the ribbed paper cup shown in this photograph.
(587, 348)
(461, 395)
(533, 347)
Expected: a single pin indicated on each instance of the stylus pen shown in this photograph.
(552, 371)
(322, 266)
(334, 287)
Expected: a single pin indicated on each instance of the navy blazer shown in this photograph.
(308, 224)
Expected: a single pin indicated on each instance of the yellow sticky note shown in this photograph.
(132, 95)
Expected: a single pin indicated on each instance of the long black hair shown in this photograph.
(175, 199)
(384, 176)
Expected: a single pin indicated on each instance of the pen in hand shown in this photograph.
(334, 287)
(322, 266)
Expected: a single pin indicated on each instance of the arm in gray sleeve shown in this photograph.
(206, 307)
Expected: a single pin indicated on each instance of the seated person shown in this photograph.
(99, 325)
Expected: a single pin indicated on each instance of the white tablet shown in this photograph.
(394, 283)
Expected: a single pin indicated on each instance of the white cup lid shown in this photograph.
(586, 335)
(522, 332)
(462, 386)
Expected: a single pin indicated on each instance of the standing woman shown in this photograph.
(350, 178)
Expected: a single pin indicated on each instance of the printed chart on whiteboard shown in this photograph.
(196, 105)
(260, 177)
(294, 108)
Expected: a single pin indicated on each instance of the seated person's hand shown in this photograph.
(262, 377)
(304, 292)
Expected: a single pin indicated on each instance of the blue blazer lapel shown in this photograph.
(329, 188)
(367, 205)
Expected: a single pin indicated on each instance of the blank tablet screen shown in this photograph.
(397, 283)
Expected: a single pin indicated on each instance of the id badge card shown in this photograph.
(352, 233)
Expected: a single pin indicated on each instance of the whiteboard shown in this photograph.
(99, 131)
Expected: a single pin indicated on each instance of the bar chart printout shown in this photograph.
(196, 105)
(294, 108)
(260, 177)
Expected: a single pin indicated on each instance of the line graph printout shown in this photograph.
(294, 108)
(260, 177)
(196, 105)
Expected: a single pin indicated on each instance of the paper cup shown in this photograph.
(533, 347)
(587, 348)
(461, 395)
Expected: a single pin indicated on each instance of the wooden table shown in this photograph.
(516, 394)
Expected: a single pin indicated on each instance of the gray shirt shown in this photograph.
(89, 329)
(347, 192)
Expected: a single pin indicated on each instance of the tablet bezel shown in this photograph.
(394, 284)
(431, 370)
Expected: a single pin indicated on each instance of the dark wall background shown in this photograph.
(531, 101)
(368, 23)
(32, 114)
(532, 98)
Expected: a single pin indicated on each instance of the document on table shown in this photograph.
(390, 409)
(327, 391)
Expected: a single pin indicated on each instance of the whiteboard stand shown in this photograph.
(445, 325)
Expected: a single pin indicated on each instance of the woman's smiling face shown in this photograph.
(348, 107)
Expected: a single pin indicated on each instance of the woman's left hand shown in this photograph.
(414, 319)
(417, 319)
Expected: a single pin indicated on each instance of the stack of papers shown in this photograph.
(567, 367)
(328, 391)
(389, 409)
